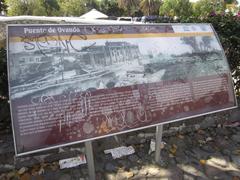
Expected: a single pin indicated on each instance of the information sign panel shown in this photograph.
(73, 83)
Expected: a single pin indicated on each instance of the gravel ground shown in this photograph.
(212, 153)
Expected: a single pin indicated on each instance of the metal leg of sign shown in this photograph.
(90, 160)
(159, 131)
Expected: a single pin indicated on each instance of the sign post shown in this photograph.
(90, 160)
(159, 132)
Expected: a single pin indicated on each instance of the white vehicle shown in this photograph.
(125, 19)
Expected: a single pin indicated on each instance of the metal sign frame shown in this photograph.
(117, 133)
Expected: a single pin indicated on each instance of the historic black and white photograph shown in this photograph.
(52, 67)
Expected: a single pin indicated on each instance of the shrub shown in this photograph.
(4, 106)
(228, 29)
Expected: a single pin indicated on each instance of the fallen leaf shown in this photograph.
(202, 161)
(41, 171)
(44, 164)
(3, 176)
(200, 131)
(162, 145)
(22, 170)
(174, 146)
(54, 166)
(173, 151)
(236, 178)
(180, 136)
(34, 170)
(236, 152)
(201, 142)
(170, 155)
(129, 175)
(209, 139)
(10, 175)
(25, 176)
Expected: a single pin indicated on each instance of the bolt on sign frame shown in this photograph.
(76, 83)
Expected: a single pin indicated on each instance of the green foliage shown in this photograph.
(72, 7)
(203, 8)
(150, 7)
(228, 28)
(110, 7)
(91, 4)
(171, 8)
(32, 7)
(179, 8)
(4, 105)
(3, 74)
(3, 6)
(130, 6)
(50, 7)
(230, 1)
(17, 8)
